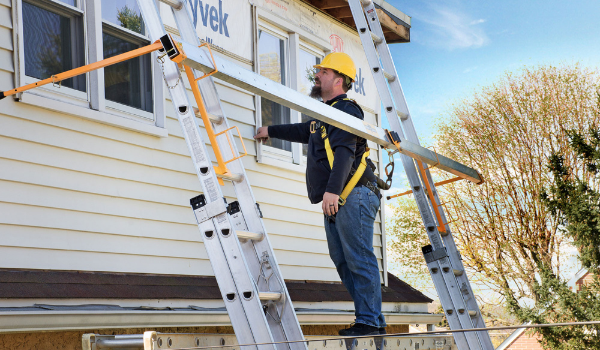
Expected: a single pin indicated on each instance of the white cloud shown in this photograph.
(470, 69)
(449, 27)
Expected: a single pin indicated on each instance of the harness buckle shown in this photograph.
(313, 127)
(341, 201)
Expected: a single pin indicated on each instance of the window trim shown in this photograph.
(91, 104)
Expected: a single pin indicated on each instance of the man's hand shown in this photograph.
(262, 134)
(330, 203)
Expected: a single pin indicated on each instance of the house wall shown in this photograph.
(526, 341)
(77, 194)
(585, 280)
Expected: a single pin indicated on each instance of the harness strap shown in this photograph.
(355, 178)
(357, 174)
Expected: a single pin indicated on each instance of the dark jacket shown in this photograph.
(348, 148)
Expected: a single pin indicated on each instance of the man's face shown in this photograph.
(325, 80)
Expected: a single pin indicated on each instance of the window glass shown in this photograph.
(54, 44)
(124, 13)
(306, 74)
(128, 82)
(271, 54)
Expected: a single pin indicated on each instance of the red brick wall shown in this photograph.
(587, 278)
(526, 341)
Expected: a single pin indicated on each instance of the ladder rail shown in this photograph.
(360, 10)
(408, 125)
(223, 246)
(288, 328)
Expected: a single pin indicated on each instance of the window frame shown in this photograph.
(91, 104)
(137, 39)
(298, 39)
(269, 151)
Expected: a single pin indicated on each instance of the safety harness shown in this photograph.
(357, 174)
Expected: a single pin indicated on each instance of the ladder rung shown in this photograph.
(403, 116)
(388, 76)
(376, 39)
(365, 3)
(472, 313)
(458, 272)
(249, 235)
(176, 4)
(269, 296)
(215, 119)
(231, 177)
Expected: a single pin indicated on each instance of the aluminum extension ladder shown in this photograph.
(234, 236)
(442, 257)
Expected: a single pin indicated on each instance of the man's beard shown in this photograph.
(315, 92)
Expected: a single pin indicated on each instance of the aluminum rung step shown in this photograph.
(215, 119)
(249, 235)
(175, 4)
(231, 177)
(471, 313)
(265, 296)
(390, 77)
(376, 38)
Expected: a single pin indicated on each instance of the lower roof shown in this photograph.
(51, 284)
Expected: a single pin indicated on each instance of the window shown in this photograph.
(55, 43)
(284, 57)
(55, 36)
(272, 59)
(128, 83)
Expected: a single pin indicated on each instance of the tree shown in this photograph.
(130, 19)
(509, 131)
(575, 203)
(405, 237)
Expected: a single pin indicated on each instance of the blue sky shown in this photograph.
(457, 46)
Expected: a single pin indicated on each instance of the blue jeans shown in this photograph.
(350, 241)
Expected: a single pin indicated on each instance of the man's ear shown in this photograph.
(339, 81)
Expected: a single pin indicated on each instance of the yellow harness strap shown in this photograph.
(359, 172)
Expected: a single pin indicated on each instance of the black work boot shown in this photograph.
(382, 330)
(359, 329)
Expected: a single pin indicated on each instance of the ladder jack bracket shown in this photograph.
(213, 61)
(172, 49)
(394, 138)
(176, 54)
(206, 211)
(436, 209)
(231, 145)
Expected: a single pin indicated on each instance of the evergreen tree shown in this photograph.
(575, 203)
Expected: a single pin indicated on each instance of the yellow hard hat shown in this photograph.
(340, 62)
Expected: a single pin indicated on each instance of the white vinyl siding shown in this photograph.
(76, 194)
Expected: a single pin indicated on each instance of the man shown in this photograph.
(349, 227)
